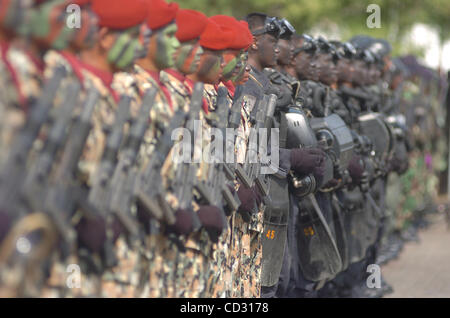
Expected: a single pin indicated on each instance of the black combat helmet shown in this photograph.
(270, 25)
(326, 47)
(287, 30)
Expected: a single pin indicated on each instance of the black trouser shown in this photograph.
(292, 282)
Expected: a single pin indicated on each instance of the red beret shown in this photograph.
(116, 14)
(242, 35)
(247, 34)
(216, 37)
(191, 24)
(160, 13)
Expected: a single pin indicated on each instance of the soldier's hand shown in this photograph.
(211, 219)
(92, 232)
(248, 198)
(183, 224)
(309, 160)
(356, 169)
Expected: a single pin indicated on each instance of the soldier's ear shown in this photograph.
(293, 62)
(106, 38)
(254, 45)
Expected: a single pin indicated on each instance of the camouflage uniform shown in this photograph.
(208, 261)
(20, 83)
(192, 264)
(161, 252)
(121, 280)
(21, 76)
(222, 279)
(244, 239)
(248, 235)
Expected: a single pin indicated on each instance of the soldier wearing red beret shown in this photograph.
(196, 37)
(116, 47)
(161, 47)
(214, 40)
(243, 74)
(163, 50)
(195, 275)
(191, 25)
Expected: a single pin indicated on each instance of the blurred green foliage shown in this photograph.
(397, 16)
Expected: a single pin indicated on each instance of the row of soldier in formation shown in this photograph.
(92, 202)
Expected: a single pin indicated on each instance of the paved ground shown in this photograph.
(422, 269)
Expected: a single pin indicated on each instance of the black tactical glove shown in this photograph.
(308, 160)
(92, 232)
(258, 196)
(331, 184)
(211, 220)
(248, 198)
(183, 224)
(356, 169)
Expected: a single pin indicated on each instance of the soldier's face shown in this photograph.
(396, 81)
(358, 76)
(387, 64)
(87, 35)
(231, 59)
(268, 50)
(243, 77)
(364, 71)
(306, 67)
(345, 70)
(328, 72)
(127, 47)
(163, 45)
(211, 67)
(375, 73)
(243, 73)
(286, 52)
(47, 28)
(367, 76)
(187, 57)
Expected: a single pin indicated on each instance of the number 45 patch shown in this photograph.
(270, 234)
(308, 231)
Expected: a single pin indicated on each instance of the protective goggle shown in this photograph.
(272, 26)
(345, 50)
(309, 45)
(349, 49)
(367, 57)
(286, 28)
(327, 47)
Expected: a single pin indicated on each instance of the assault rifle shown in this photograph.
(65, 194)
(234, 122)
(186, 173)
(12, 173)
(99, 193)
(37, 178)
(148, 190)
(251, 168)
(213, 189)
